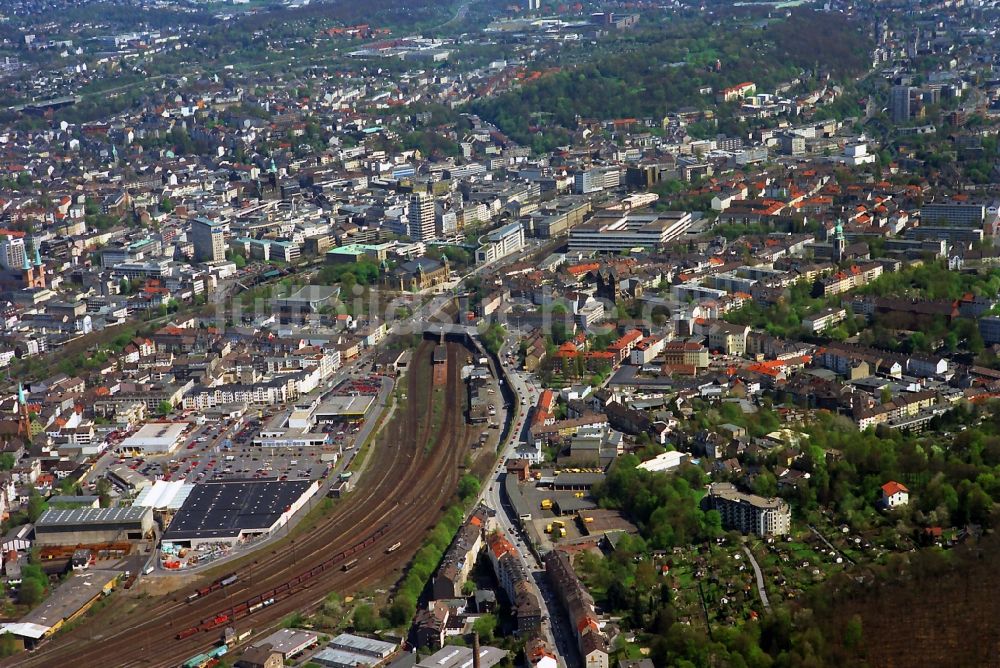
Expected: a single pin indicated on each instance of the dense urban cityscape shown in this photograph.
(454, 334)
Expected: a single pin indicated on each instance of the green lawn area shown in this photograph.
(684, 576)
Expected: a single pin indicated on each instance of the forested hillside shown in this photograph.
(664, 68)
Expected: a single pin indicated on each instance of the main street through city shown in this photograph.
(554, 628)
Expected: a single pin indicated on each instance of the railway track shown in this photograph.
(399, 498)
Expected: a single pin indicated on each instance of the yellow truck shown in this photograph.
(546, 504)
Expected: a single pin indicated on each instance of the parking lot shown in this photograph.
(223, 448)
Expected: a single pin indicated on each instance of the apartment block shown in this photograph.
(749, 513)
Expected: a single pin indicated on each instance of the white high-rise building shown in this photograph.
(421, 217)
(12, 252)
(501, 243)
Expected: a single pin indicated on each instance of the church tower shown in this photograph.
(839, 243)
(34, 272)
(23, 418)
(39, 267)
(29, 272)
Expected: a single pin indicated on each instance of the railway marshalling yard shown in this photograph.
(409, 478)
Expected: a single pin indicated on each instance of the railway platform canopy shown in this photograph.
(231, 511)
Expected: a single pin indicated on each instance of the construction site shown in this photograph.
(400, 490)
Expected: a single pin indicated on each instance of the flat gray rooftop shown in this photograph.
(84, 516)
(288, 641)
(69, 597)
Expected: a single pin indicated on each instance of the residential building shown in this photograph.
(749, 513)
(899, 412)
(685, 353)
(737, 92)
(989, 329)
(899, 104)
(12, 250)
(515, 581)
(458, 561)
(849, 279)
(421, 216)
(590, 313)
(823, 319)
(645, 351)
(729, 338)
(894, 494)
(580, 608)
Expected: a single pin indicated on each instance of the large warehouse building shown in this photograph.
(90, 526)
(344, 408)
(71, 599)
(232, 511)
(154, 438)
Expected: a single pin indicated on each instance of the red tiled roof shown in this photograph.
(893, 487)
(580, 269)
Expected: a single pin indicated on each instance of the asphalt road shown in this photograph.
(554, 630)
(760, 578)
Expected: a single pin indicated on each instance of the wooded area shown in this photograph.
(667, 66)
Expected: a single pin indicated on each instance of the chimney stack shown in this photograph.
(475, 649)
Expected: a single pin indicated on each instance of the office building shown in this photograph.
(595, 180)
(616, 233)
(501, 243)
(951, 235)
(555, 218)
(421, 214)
(447, 224)
(749, 513)
(793, 144)
(899, 104)
(963, 215)
(209, 239)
